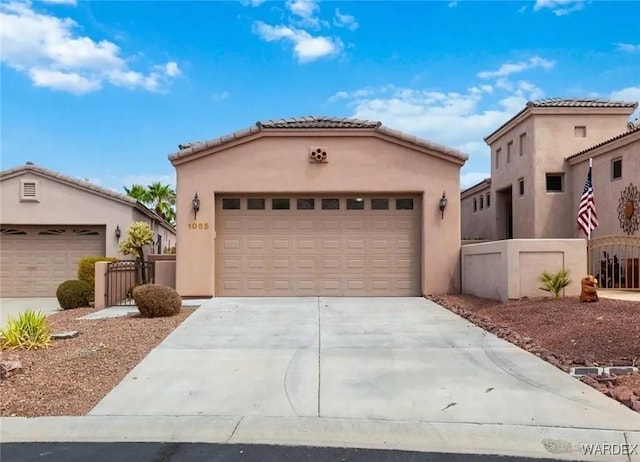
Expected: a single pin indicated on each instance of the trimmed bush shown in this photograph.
(154, 300)
(29, 330)
(87, 268)
(74, 294)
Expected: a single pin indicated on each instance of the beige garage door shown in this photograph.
(34, 260)
(297, 246)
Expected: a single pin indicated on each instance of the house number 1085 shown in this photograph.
(196, 225)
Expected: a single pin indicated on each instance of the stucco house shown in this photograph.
(317, 206)
(48, 221)
(539, 163)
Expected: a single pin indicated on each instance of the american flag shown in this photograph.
(587, 222)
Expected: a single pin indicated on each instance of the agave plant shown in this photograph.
(554, 282)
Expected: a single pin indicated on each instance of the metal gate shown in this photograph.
(121, 278)
(615, 261)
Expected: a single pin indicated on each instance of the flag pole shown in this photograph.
(590, 174)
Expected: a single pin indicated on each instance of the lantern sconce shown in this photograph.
(443, 204)
(196, 206)
(118, 233)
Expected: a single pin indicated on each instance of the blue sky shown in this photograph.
(106, 90)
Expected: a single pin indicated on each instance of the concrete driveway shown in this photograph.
(14, 306)
(399, 359)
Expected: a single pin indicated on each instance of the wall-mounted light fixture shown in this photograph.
(196, 206)
(442, 204)
(118, 233)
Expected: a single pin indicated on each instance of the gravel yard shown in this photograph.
(72, 375)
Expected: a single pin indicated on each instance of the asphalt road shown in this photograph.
(197, 452)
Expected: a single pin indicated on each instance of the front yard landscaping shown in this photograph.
(72, 375)
(565, 332)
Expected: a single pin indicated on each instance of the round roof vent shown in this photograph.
(29, 163)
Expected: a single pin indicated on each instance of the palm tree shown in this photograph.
(157, 196)
(138, 192)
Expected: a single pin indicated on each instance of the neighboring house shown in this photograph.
(317, 206)
(536, 180)
(49, 221)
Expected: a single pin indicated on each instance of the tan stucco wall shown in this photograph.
(606, 190)
(357, 163)
(60, 204)
(509, 269)
(479, 224)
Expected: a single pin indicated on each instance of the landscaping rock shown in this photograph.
(9, 367)
(635, 405)
(64, 335)
(623, 394)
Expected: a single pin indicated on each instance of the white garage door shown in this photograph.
(34, 260)
(297, 246)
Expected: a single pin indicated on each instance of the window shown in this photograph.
(488, 200)
(509, 149)
(475, 204)
(255, 204)
(522, 143)
(280, 204)
(554, 182)
(616, 169)
(355, 204)
(498, 151)
(29, 190)
(230, 204)
(481, 202)
(580, 131)
(404, 204)
(521, 186)
(330, 204)
(305, 204)
(379, 204)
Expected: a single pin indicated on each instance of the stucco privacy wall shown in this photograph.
(359, 162)
(509, 269)
(62, 204)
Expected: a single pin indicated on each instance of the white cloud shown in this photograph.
(559, 7)
(452, 4)
(628, 47)
(345, 20)
(507, 69)
(306, 47)
(221, 96)
(468, 179)
(522, 9)
(252, 2)
(60, 2)
(305, 11)
(46, 48)
(630, 94)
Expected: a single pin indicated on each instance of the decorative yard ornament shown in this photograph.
(588, 292)
(629, 209)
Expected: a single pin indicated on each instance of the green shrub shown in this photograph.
(154, 300)
(74, 294)
(87, 268)
(554, 282)
(29, 330)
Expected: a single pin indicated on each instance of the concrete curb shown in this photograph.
(464, 438)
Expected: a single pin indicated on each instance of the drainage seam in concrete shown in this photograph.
(234, 429)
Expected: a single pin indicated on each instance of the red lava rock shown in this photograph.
(9, 367)
(623, 394)
(635, 405)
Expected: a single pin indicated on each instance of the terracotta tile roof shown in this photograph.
(480, 185)
(567, 102)
(313, 122)
(633, 128)
(30, 167)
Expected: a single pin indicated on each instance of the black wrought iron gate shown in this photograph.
(122, 277)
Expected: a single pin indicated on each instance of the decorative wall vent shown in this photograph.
(28, 190)
(318, 154)
(85, 232)
(51, 232)
(629, 209)
(12, 232)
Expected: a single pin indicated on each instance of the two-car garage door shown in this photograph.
(318, 245)
(34, 260)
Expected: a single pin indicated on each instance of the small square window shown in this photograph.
(379, 204)
(475, 204)
(231, 204)
(330, 204)
(554, 182)
(488, 200)
(509, 149)
(280, 204)
(404, 204)
(481, 202)
(521, 186)
(255, 204)
(580, 131)
(305, 204)
(355, 204)
(522, 143)
(498, 152)
(616, 169)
